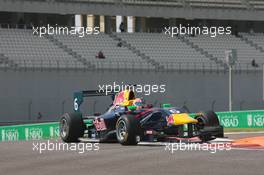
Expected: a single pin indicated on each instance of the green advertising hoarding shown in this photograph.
(242, 119)
(236, 119)
(29, 132)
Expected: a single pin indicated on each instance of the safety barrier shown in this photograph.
(237, 119)
(30, 132)
(242, 119)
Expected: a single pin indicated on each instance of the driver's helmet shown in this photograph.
(138, 103)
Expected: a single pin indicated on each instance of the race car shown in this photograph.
(129, 121)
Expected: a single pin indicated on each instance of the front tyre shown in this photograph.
(71, 127)
(127, 129)
(208, 118)
(208, 121)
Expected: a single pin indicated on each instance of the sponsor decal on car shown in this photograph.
(99, 124)
(170, 120)
(149, 132)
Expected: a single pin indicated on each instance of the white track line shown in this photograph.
(221, 140)
(247, 149)
(254, 132)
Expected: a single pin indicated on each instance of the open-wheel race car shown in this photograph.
(129, 121)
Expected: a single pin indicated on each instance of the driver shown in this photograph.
(138, 103)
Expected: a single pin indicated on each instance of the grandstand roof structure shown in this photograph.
(192, 9)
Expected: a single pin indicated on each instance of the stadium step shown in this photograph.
(139, 53)
(251, 43)
(202, 51)
(70, 51)
(7, 63)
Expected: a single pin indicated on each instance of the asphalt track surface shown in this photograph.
(114, 159)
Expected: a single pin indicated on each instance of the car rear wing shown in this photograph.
(93, 93)
(79, 96)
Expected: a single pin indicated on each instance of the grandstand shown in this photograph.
(138, 51)
(168, 52)
(256, 39)
(29, 51)
(116, 57)
(217, 47)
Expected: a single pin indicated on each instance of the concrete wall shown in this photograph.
(23, 94)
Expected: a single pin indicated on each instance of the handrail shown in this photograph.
(128, 64)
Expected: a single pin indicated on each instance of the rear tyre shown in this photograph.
(127, 130)
(71, 127)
